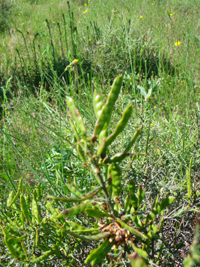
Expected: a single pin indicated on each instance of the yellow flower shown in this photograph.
(152, 4)
(89, 40)
(141, 16)
(84, 11)
(177, 43)
(154, 106)
(85, 4)
(171, 14)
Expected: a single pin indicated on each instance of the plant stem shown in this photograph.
(100, 178)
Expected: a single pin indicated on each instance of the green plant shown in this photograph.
(194, 259)
(5, 12)
(123, 222)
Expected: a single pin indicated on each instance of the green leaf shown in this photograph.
(24, 208)
(136, 260)
(74, 190)
(39, 191)
(81, 151)
(115, 173)
(133, 197)
(97, 255)
(76, 115)
(42, 257)
(160, 207)
(14, 246)
(165, 203)
(85, 237)
(189, 184)
(97, 103)
(107, 109)
(120, 125)
(75, 210)
(97, 213)
(120, 156)
(35, 211)
(137, 221)
(9, 201)
(131, 229)
(140, 251)
(140, 195)
(77, 228)
(10, 198)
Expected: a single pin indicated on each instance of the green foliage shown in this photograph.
(75, 53)
(114, 228)
(5, 14)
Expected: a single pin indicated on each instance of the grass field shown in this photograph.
(156, 46)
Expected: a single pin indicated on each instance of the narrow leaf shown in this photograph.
(107, 109)
(120, 126)
(98, 254)
(76, 115)
(9, 202)
(97, 213)
(75, 210)
(131, 229)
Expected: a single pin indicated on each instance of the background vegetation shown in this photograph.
(156, 45)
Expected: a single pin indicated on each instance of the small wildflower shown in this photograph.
(152, 4)
(74, 61)
(152, 124)
(8, 112)
(154, 106)
(85, 4)
(141, 17)
(84, 11)
(196, 7)
(171, 14)
(89, 40)
(177, 43)
(19, 14)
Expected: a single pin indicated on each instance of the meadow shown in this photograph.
(54, 49)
